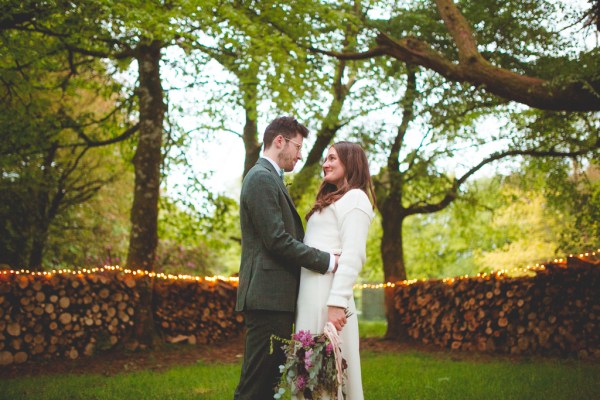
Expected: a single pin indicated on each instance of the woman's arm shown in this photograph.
(353, 234)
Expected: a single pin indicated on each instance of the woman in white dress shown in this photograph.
(338, 222)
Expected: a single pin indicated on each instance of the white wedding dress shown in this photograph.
(342, 226)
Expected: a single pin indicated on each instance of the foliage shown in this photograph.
(372, 271)
(222, 235)
(83, 227)
(196, 241)
(59, 60)
(258, 45)
(52, 108)
(507, 48)
(528, 233)
(50, 176)
(96, 232)
(499, 223)
(572, 192)
(371, 329)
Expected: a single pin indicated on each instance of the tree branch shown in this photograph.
(88, 142)
(473, 68)
(374, 52)
(461, 32)
(408, 103)
(452, 193)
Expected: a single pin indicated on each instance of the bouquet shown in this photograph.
(314, 365)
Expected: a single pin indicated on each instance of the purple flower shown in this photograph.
(328, 349)
(300, 382)
(307, 362)
(305, 338)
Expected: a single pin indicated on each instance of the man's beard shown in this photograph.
(286, 162)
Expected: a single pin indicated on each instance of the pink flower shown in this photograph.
(307, 361)
(300, 382)
(305, 338)
(328, 349)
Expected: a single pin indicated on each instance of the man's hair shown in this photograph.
(287, 127)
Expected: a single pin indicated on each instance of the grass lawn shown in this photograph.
(387, 375)
(426, 376)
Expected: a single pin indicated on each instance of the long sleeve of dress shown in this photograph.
(354, 214)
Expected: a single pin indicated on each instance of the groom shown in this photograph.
(272, 255)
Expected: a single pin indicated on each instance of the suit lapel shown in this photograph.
(281, 184)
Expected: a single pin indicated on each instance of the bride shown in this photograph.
(338, 222)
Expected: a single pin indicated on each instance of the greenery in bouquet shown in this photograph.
(310, 367)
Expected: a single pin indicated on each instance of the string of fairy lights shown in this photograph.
(234, 280)
(116, 268)
(495, 274)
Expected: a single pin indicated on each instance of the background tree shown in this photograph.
(496, 224)
(112, 32)
(557, 74)
(331, 118)
(415, 184)
(95, 233)
(570, 189)
(505, 222)
(512, 53)
(275, 74)
(49, 163)
(321, 90)
(509, 75)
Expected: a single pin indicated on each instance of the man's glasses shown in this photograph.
(298, 145)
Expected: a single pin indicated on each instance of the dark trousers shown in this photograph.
(260, 370)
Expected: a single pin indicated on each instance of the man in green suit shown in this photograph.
(272, 255)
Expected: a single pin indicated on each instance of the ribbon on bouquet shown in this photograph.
(334, 339)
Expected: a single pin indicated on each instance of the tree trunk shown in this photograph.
(250, 136)
(41, 221)
(392, 255)
(39, 238)
(38, 244)
(393, 213)
(39, 228)
(147, 162)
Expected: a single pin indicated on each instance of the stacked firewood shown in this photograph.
(555, 312)
(62, 314)
(74, 314)
(197, 311)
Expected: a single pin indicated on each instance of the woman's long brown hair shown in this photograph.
(354, 159)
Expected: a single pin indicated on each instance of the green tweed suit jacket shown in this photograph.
(272, 248)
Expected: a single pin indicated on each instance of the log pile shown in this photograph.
(198, 312)
(75, 314)
(62, 315)
(555, 312)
